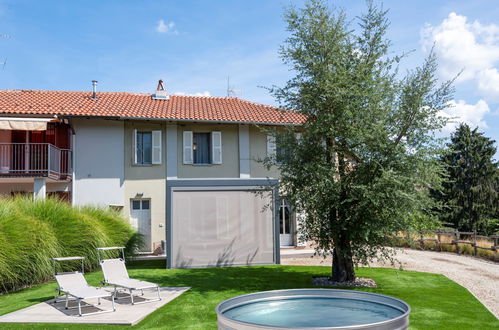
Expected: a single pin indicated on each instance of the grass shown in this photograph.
(436, 301)
(32, 232)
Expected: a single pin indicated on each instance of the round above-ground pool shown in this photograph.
(313, 309)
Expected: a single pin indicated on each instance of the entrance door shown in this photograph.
(286, 237)
(140, 217)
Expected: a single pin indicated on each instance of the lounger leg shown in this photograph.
(67, 301)
(98, 301)
(112, 302)
(159, 295)
(79, 307)
(131, 295)
(142, 291)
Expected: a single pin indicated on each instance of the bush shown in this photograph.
(32, 232)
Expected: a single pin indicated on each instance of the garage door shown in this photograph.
(221, 228)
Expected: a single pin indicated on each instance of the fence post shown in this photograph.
(456, 233)
(475, 251)
(438, 241)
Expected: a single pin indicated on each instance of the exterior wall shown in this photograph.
(98, 162)
(258, 151)
(146, 181)
(6, 188)
(230, 153)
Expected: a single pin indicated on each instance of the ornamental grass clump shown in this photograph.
(32, 232)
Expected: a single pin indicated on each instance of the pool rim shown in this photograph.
(220, 312)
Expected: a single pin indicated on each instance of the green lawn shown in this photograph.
(436, 302)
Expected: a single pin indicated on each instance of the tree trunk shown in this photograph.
(343, 270)
(342, 253)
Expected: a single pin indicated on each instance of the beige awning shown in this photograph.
(24, 124)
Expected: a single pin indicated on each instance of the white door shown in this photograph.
(140, 218)
(285, 237)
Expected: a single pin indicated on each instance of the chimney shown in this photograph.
(94, 90)
(161, 93)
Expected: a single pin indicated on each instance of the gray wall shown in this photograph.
(230, 153)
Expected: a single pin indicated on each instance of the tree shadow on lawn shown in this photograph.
(246, 278)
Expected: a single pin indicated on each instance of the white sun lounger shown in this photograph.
(74, 285)
(116, 274)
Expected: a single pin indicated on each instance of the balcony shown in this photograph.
(35, 160)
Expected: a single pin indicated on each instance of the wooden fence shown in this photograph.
(457, 239)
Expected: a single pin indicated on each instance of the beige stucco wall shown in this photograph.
(230, 153)
(146, 182)
(7, 186)
(258, 151)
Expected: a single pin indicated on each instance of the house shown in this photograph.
(184, 169)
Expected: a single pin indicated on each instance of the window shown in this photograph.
(282, 153)
(201, 148)
(136, 204)
(284, 217)
(144, 148)
(147, 147)
(276, 150)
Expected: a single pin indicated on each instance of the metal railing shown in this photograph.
(34, 159)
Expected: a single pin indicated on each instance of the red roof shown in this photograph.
(140, 105)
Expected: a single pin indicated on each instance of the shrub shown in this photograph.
(32, 232)
(466, 249)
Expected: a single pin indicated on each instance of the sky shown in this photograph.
(197, 46)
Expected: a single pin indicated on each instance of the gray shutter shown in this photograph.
(271, 146)
(187, 143)
(216, 147)
(156, 147)
(134, 147)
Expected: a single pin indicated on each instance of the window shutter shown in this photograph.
(134, 146)
(187, 142)
(216, 147)
(156, 147)
(271, 146)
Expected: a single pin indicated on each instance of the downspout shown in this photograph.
(73, 166)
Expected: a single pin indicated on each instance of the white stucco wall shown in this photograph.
(98, 166)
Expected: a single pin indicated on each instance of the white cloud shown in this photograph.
(460, 44)
(205, 93)
(461, 112)
(488, 83)
(163, 27)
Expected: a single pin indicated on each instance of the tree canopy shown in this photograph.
(470, 191)
(365, 159)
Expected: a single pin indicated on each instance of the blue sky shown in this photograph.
(195, 45)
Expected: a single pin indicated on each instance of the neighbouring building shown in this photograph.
(184, 169)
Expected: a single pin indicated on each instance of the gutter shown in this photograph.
(190, 120)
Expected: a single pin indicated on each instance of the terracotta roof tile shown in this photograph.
(141, 105)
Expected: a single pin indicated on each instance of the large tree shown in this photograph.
(365, 158)
(471, 187)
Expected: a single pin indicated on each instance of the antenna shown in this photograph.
(231, 92)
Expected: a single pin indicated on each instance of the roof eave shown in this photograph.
(190, 120)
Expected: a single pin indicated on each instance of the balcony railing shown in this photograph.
(35, 159)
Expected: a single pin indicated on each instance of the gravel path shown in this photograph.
(479, 276)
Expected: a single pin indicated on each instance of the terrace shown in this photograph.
(34, 160)
(35, 157)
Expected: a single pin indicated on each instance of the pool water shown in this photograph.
(313, 312)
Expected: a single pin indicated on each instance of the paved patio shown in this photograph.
(125, 314)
